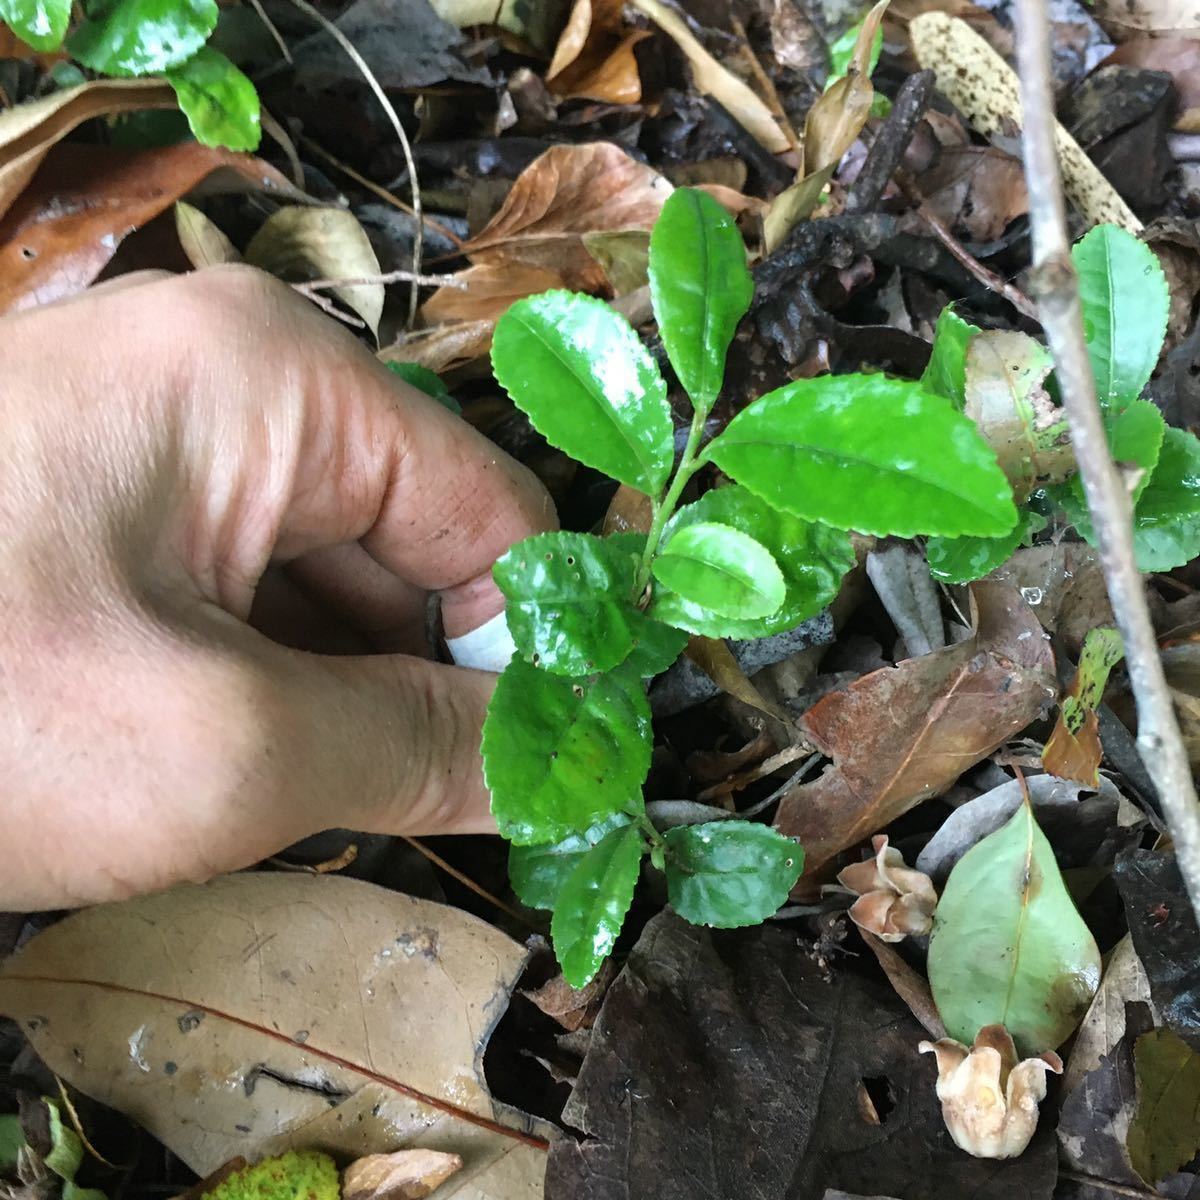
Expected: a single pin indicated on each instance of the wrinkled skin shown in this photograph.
(188, 464)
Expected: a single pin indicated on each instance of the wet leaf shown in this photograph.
(561, 754)
(703, 1027)
(1165, 1132)
(730, 873)
(305, 243)
(1166, 521)
(219, 102)
(1073, 750)
(812, 557)
(380, 1045)
(865, 452)
(67, 224)
(41, 24)
(1008, 946)
(537, 873)
(140, 37)
(592, 904)
(570, 600)
(720, 569)
(1125, 302)
(582, 376)
(903, 734)
(946, 373)
(965, 559)
(700, 287)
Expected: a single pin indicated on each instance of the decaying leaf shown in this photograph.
(984, 88)
(989, 1099)
(573, 1008)
(1073, 750)
(203, 243)
(900, 576)
(978, 188)
(704, 1031)
(1007, 399)
(594, 57)
(714, 657)
(712, 79)
(403, 1175)
(28, 131)
(906, 733)
(308, 1011)
(65, 226)
(893, 900)
(1165, 1132)
(300, 244)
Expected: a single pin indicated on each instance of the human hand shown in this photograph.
(166, 446)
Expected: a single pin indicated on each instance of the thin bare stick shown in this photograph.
(361, 63)
(1055, 285)
(281, 135)
(378, 189)
(324, 285)
(262, 16)
(328, 307)
(468, 882)
(767, 85)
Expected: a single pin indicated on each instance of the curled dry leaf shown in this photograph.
(712, 79)
(594, 58)
(403, 1175)
(300, 244)
(262, 1012)
(67, 224)
(989, 1099)
(27, 131)
(984, 88)
(893, 900)
(903, 734)
(203, 243)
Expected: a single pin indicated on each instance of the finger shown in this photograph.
(389, 611)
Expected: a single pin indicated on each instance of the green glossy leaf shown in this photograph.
(656, 647)
(219, 102)
(140, 37)
(1008, 946)
(41, 24)
(1166, 522)
(946, 372)
(1125, 301)
(593, 902)
(865, 452)
(580, 374)
(963, 559)
(12, 1139)
(1164, 1134)
(537, 873)
(730, 873)
(561, 754)
(700, 288)
(426, 381)
(570, 600)
(719, 568)
(812, 557)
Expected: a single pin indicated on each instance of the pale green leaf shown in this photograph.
(1008, 946)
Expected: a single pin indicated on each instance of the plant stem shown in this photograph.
(1055, 286)
(662, 511)
(647, 827)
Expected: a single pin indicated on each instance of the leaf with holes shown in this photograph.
(537, 873)
(812, 557)
(580, 374)
(1008, 946)
(570, 601)
(1125, 301)
(140, 37)
(865, 452)
(561, 754)
(730, 873)
(593, 902)
(700, 288)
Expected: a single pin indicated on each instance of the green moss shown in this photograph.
(295, 1175)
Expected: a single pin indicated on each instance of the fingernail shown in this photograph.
(488, 648)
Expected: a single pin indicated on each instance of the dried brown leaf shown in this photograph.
(714, 657)
(978, 188)
(906, 733)
(403, 1175)
(263, 1012)
(203, 243)
(67, 224)
(594, 58)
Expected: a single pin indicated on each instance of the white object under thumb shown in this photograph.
(488, 648)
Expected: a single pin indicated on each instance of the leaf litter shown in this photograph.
(886, 730)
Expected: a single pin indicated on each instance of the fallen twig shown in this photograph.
(324, 285)
(891, 142)
(468, 882)
(1055, 285)
(361, 63)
